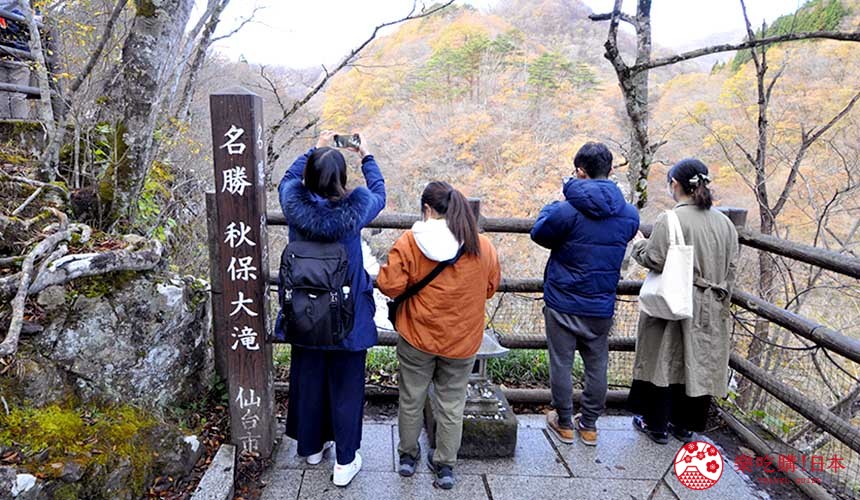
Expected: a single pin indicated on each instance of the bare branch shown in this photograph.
(199, 57)
(75, 266)
(273, 88)
(807, 141)
(238, 28)
(107, 31)
(757, 42)
(276, 127)
(292, 138)
(10, 343)
(29, 200)
(32, 182)
(627, 18)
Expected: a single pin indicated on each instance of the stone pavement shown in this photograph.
(625, 465)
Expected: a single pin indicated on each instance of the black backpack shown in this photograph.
(314, 294)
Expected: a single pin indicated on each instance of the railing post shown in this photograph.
(737, 215)
(475, 205)
(216, 288)
(241, 321)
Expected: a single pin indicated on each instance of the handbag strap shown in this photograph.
(414, 289)
(676, 233)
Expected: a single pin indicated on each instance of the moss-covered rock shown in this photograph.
(131, 338)
(94, 451)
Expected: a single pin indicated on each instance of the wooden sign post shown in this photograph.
(240, 305)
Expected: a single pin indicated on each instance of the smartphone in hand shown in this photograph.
(347, 141)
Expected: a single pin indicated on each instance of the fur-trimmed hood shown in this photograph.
(320, 219)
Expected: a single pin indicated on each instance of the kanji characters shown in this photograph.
(242, 305)
(236, 236)
(250, 442)
(246, 337)
(251, 401)
(744, 463)
(241, 269)
(765, 463)
(816, 463)
(836, 463)
(232, 135)
(249, 420)
(235, 181)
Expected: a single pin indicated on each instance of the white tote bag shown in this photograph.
(669, 295)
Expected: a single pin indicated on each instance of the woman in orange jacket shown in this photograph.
(441, 327)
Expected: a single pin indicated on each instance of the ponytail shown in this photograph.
(447, 201)
(693, 177)
(701, 196)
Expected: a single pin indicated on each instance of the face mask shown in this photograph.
(670, 191)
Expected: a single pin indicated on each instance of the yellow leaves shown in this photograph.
(455, 34)
(740, 86)
(699, 110)
(357, 93)
(468, 133)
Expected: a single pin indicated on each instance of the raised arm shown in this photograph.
(294, 173)
(376, 186)
(297, 169)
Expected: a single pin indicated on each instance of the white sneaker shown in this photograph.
(316, 458)
(343, 474)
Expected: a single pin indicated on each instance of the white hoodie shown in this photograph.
(435, 240)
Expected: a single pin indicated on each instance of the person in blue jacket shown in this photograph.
(327, 383)
(587, 234)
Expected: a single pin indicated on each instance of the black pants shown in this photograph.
(326, 400)
(661, 405)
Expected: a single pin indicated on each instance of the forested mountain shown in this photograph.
(499, 102)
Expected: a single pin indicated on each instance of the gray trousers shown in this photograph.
(565, 333)
(450, 378)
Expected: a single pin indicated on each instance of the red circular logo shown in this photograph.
(698, 465)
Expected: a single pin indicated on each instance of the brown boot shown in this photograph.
(564, 434)
(587, 436)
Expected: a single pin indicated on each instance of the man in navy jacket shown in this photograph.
(588, 235)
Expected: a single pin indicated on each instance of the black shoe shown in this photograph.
(657, 437)
(407, 465)
(444, 474)
(682, 435)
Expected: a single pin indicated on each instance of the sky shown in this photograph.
(305, 33)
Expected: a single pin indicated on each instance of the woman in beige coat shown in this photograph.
(681, 365)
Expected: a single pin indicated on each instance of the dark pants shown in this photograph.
(660, 406)
(326, 400)
(565, 334)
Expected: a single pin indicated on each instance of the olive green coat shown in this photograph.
(694, 352)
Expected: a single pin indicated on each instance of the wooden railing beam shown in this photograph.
(825, 259)
(816, 413)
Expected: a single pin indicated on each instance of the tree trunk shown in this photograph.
(198, 59)
(135, 100)
(750, 393)
(634, 88)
